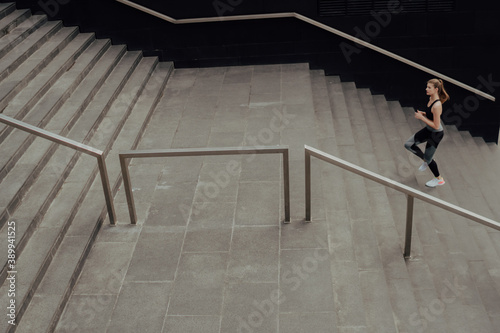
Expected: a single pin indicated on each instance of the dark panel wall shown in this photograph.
(463, 44)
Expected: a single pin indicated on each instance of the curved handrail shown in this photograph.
(312, 22)
(126, 155)
(409, 191)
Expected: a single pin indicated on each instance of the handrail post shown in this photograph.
(107, 189)
(124, 161)
(286, 185)
(409, 226)
(308, 185)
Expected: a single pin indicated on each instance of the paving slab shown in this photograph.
(258, 203)
(199, 285)
(254, 255)
(132, 314)
(251, 307)
(87, 313)
(156, 255)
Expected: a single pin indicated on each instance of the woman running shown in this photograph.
(432, 133)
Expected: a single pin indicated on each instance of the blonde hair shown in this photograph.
(438, 83)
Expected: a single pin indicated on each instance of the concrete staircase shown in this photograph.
(210, 254)
(447, 250)
(85, 89)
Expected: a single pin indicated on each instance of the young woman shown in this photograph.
(432, 133)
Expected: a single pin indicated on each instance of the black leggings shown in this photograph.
(432, 140)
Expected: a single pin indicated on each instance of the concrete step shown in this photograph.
(6, 9)
(31, 45)
(20, 33)
(108, 132)
(25, 100)
(30, 66)
(11, 18)
(22, 106)
(473, 154)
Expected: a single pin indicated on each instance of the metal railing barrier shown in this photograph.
(98, 154)
(125, 157)
(410, 192)
(314, 23)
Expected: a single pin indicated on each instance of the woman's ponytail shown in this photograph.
(438, 83)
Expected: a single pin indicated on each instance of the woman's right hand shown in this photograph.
(420, 114)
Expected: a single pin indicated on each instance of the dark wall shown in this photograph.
(463, 44)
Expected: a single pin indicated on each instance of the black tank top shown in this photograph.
(428, 111)
(430, 116)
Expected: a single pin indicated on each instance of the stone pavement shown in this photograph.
(210, 252)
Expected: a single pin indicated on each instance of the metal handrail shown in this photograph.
(316, 24)
(98, 154)
(410, 192)
(125, 157)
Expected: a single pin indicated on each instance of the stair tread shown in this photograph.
(44, 106)
(18, 34)
(28, 69)
(34, 48)
(11, 20)
(61, 63)
(6, 8)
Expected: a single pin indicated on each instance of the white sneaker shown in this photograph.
(423, 167)
(435, 182)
